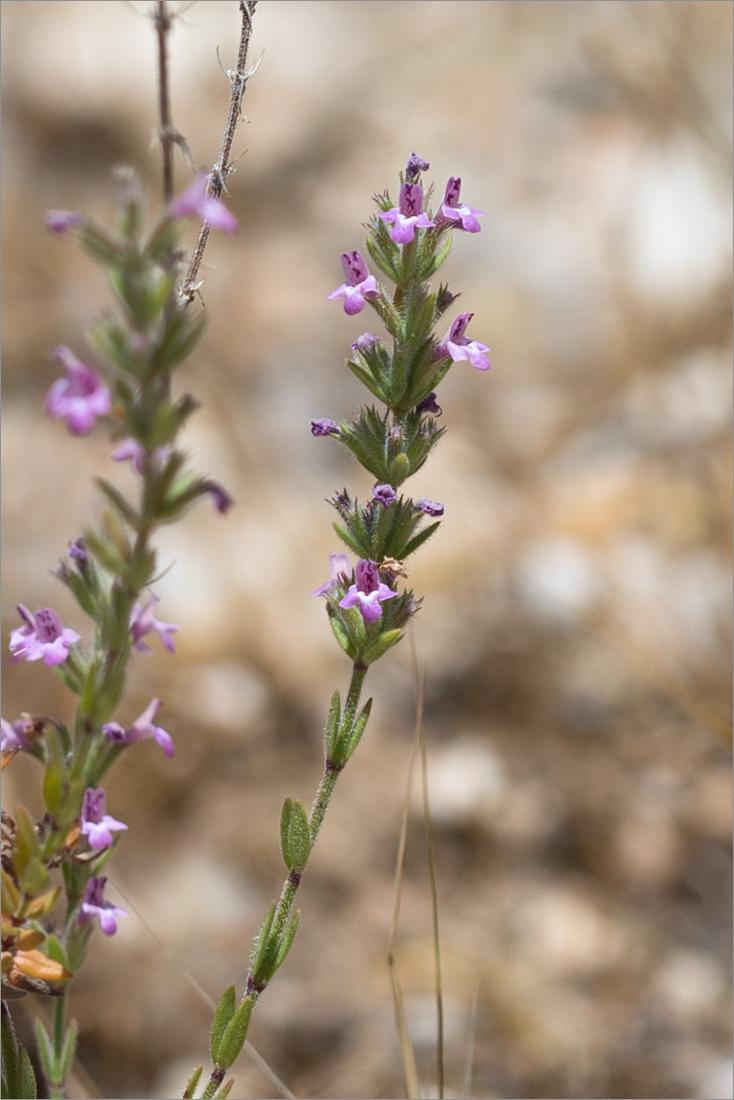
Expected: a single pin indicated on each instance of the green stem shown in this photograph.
(57, 1089)
(292, 881)
(321, 803)
(331, 771)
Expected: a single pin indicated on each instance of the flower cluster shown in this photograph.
(407, 242)
(109, 572)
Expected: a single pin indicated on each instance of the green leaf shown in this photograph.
(68, 1049)
(295, 836)
(55, 950)
(32, 875)
(349, 541)
(420, 538)
(332, 725)
(28, 1087)
(286, 941)
(285, 821)
(260, 943)
(110, 339)
(52, 785)
(181, 336)
(222, 1018)
(68, 809)
(45, 1050)
(367, 380)
(106, 553)
(430, 264)
(399, 470)
(18, 1079)
(378, 253)
(162, 240)
(235, 1034)
(340, 633)
(118, 501)
(77, 945)
(353, 736)
(98, 244)
(380, 647)
(193, 1081)
(224, 1091)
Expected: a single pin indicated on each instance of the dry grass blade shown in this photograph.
(410, 1071)
(431, 856)
(412, 1082)
(470, 1044)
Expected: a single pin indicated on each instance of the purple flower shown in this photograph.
(94, 905)
(133, 451)
(222, 500)
(458, 347)
(141, 729)
(42, 636)
(452, 212)
(97, 826)
(80, 397)
(429, 405)
(384, 494)
(365, 341)
(409, 215)
(324, 427)
(414, 167)
(58, 221)
(79, 553)
(13, 736)
(430, 507)
(142, 622)
(195, 202)
(360, 284)
(368, 592)
(340, 571)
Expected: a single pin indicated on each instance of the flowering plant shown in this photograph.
(110, 569)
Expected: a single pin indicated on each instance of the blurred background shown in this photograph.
(576, 632)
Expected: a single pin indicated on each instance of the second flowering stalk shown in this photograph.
(368, 614)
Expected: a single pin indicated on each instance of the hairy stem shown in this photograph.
(284, 905)
(166, 133)
(238, 82)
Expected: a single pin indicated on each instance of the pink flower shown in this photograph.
(340, 570)
(14, 736)
(80, 397)
(429, 507)
(458, 347)
(384, 494)
(94, 905)
(58, 221)
(97, 826)
(222, 500)
(142, 622)
(459, 215)
(360, 284)
(409, 215)
(196, 202)
(42, 636)
(141, 729)
(133, 451)
(368, 592)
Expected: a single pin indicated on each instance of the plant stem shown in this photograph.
(292, 881)
(321, 804)
(57, 1089)
(331, 771)
(167, 134)
(238, 82)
